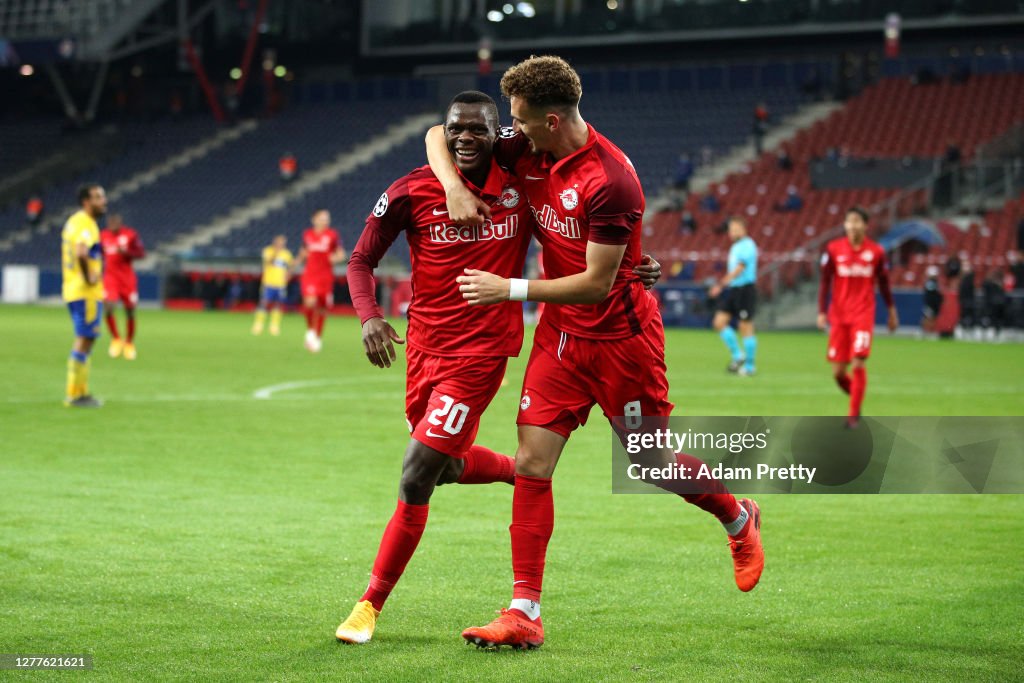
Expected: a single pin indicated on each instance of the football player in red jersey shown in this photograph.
(850, 267)
(456, 353)
(121, 246)
(321, 249)
(600, 342)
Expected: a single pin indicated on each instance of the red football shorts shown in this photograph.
(321, 289)
(567, 375)
(850, 340)
(445, 397)
(123, 289)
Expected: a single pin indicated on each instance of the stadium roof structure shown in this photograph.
(49, 31)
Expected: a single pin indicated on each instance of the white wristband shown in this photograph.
(517, 289)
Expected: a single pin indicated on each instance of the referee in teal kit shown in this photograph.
(737, 297)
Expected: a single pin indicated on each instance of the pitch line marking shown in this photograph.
(266, 393)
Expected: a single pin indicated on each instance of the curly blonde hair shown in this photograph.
(543, 82)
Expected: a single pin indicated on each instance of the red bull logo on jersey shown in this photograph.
(449, 234)
(855, 270)
(549, 219)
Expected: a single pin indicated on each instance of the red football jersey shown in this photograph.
(850, 274)
(319, 246)
(119, 250)
(440, 320)
(592, 195)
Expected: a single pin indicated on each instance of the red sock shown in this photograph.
(131, 329)
(533, 520)
(707, 493)
(484, 466)
(112, 325)
(320, 317)
(309, 318)
(858, 385)
(401, 537)
(843, 381)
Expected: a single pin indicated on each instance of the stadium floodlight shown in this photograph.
(235, 73)
(508, 8)
(526, 9)
(27, 70)
(280, 71)
(612, 4)
(495, 16)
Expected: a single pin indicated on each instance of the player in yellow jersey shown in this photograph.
(277, 264)
(82, 288)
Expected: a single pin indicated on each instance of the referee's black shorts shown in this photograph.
(739, 301)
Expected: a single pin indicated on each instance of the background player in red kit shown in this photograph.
(602, 341)
(849, 268)
(457, 354)
(321, 249)
(121, 246)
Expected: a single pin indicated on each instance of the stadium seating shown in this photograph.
(350, 201)
(145, 145)
(985, 243)
(893, 118)
(226, 177)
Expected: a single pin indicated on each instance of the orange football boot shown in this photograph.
(747, 551)
(511, 629)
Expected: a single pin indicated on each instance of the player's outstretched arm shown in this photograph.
(464, 207)
(589, 287)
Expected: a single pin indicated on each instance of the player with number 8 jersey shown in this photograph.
(601, 340)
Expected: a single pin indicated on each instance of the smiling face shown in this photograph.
(534, 123)
(470, 131)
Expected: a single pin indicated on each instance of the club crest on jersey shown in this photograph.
(509, 198)
(867, 255)
(525, 403)
(570, 199)
(381, 206)
(507, 132)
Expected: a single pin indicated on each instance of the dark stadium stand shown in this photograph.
(226, 177)
(144, 145)
(350, 201)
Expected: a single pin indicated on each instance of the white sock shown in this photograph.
(528, 607)
(736, 525)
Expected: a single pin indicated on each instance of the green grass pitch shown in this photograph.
(191, 531)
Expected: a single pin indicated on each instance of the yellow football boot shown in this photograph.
(358, 628)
